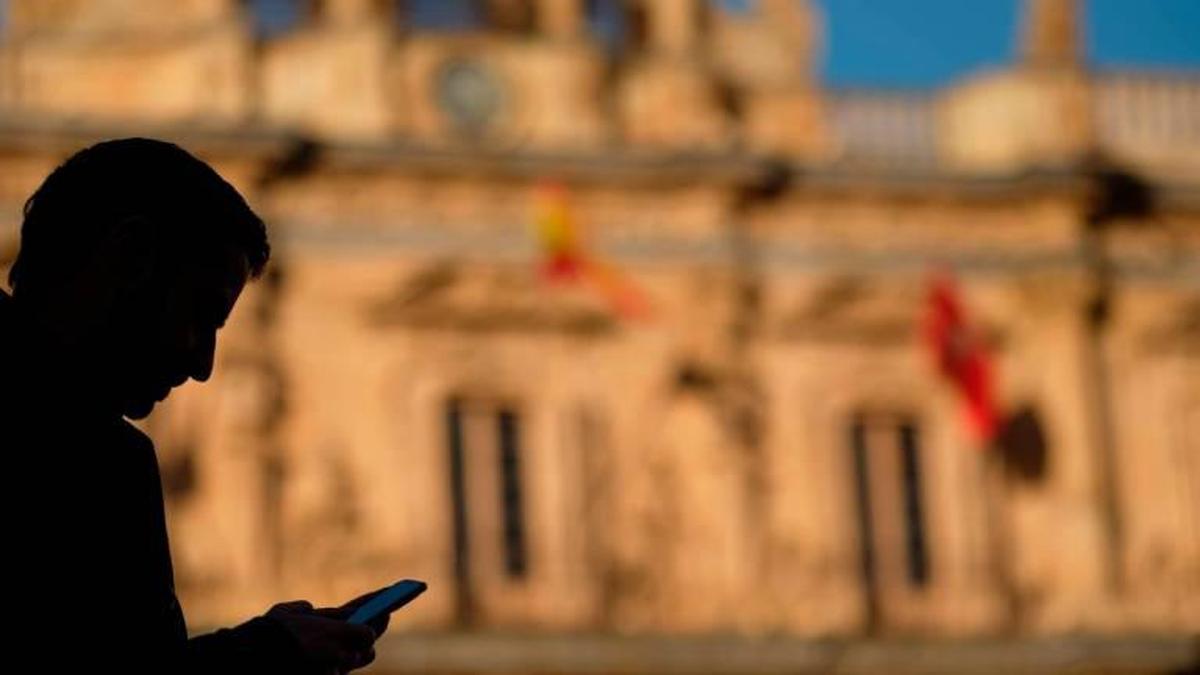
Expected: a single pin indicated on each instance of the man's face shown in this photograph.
(168, 334)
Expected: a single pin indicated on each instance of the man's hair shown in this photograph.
(195, 211)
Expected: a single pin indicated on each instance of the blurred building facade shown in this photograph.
(770, 452)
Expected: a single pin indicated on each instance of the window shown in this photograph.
(617, 25)
(512, 16)
(914, 518)
(274, 17)
(455, 441)
(606, 22)
(511, 507)
(440, 15)
(888, 486)
(862, 492)
(484, 441)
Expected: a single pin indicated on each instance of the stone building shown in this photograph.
(769, 453)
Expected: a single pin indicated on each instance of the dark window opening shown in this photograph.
(862, 494)
(487, 492)
(458, 496)
(606, 23)
(440, 15)
(918, 555)
(511, 498)
(275, 17)
(890, 508)
(512, 16)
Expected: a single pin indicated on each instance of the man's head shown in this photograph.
(133, 253)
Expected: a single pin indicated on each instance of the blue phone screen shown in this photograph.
(388, 600)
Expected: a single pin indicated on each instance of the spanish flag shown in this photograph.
(565, 259)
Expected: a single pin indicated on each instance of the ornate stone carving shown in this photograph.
(447, 295)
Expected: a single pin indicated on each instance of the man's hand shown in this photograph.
(328, 643)
(379, 624)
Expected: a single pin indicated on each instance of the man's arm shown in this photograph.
(292, 637)
(261, 645)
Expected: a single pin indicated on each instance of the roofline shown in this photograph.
(731, 168)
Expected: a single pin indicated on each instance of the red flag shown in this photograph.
(961, 357)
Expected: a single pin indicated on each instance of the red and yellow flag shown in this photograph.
(565, 259)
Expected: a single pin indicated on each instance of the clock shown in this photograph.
(470, 94)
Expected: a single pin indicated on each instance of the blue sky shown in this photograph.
(928, 43)
(925, 43)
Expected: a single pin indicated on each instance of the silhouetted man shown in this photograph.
(133, 254)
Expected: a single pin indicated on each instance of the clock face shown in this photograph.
(470, 95)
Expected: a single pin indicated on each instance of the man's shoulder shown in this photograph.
(69, 441)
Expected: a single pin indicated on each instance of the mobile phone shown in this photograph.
(388, 600)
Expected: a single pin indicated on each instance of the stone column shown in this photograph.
(124, 16)
(673, 27)
(1063, 541)
(560, 19)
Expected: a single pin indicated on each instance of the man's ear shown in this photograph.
(122, 266)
